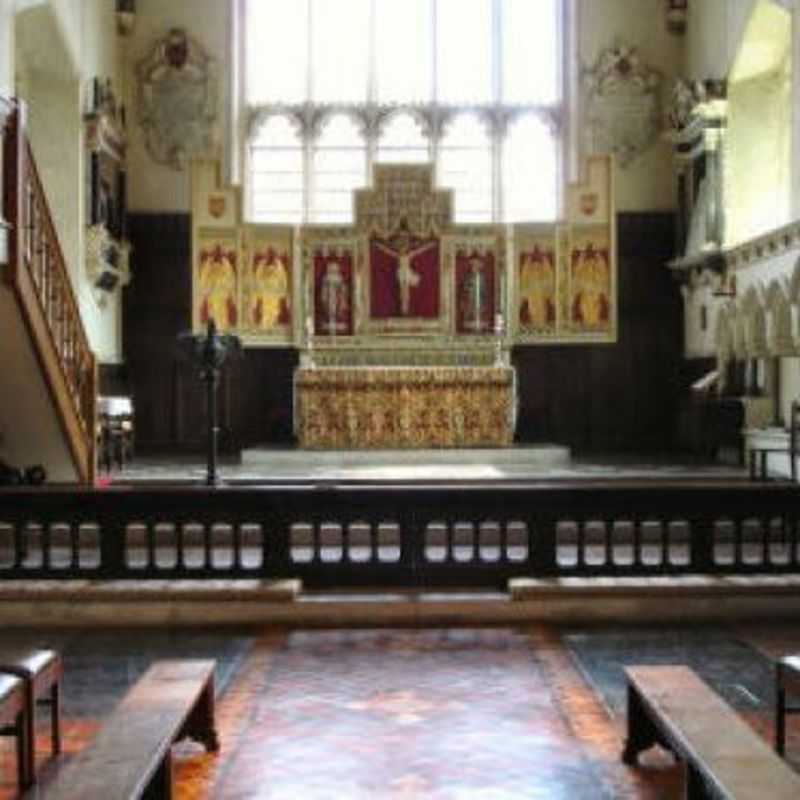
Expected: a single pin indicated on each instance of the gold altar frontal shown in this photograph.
(404, 407)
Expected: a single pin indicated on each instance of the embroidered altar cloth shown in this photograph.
(404, 407)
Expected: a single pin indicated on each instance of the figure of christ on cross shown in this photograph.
(406, 276)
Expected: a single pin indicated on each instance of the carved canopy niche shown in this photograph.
(403, 196)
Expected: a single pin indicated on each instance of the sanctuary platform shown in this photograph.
(535, 462)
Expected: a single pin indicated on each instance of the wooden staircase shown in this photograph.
(37, 278)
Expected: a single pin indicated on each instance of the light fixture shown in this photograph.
(677, 14)
(126, 16)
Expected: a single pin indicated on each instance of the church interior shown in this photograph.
(399, 399)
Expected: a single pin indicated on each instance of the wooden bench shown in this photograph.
(41, 670)
(787, 682)
(14, 722)
(130, 756)
(724, 757)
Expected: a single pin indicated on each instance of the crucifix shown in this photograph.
(406, 276)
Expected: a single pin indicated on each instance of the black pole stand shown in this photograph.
(210, 376)
(209, 352)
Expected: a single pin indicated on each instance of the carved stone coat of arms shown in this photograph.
(623, 104)
(177, 100)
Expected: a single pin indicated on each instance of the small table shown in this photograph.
(787, 680)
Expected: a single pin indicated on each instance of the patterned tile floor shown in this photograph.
(422, 714)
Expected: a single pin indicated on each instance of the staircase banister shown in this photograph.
(38, 274)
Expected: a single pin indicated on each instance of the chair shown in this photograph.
(115, 431)
(759, 455)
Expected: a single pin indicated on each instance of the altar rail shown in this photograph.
(340, 535)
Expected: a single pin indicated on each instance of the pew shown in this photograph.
(671, 706)
(41, 671)
(787, 682)
(130, 756)
(14, 722)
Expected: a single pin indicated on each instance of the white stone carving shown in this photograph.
(177, 100)
(622, 101)
(107, 263)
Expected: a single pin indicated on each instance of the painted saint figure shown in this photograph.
(406, 276)
(474, 298)
(333, 298)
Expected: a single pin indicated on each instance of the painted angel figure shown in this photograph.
(537, 283)
(217, 279)
(270, 292)
(406, 276)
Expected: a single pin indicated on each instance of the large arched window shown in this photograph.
(339, 167)
(458, 82)
(401, 141)
(276, 171)
(465, 165)
(531, 169)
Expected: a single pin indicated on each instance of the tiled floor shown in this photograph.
(445, 713)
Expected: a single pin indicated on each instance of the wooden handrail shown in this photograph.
(38, 275)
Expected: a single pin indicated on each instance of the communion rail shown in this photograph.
(348, 535)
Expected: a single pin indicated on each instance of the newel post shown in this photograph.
(7, 189)
(13, 182)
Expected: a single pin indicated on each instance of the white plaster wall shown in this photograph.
(644, 185)
(61, 47)
(714, 34)
(6, 47)
(758, 156)
(55, 106)
(152, 186)
(647, 182)
(29, 429)
(87, 32)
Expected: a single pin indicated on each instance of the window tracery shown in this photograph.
(407, 72)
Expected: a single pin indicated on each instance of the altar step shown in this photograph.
(444, 464)
(284, 603)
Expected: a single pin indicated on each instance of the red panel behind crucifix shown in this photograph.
(404, 277)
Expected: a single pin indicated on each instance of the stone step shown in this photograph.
(695, 598)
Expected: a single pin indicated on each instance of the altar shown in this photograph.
(404, 319)
(404, 407)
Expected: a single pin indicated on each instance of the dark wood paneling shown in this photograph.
(255, 396)
(620, 397)
(602, 397)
